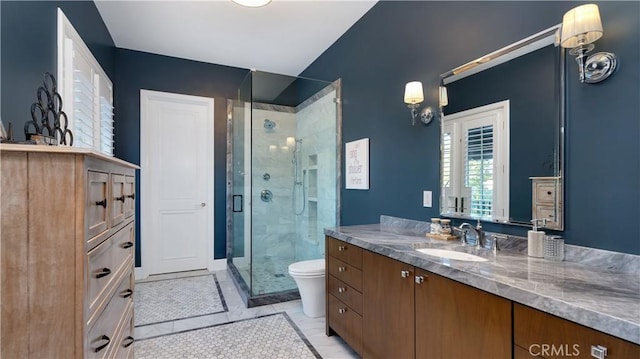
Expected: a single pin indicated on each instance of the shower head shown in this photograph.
(268, 124)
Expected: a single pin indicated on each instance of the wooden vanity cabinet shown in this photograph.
(344, 292)
(66, 255)
(454, 320)
(388, 308)
(540, 334)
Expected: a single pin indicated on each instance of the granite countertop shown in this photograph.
(594, 292)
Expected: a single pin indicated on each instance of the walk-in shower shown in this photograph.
(283, 180)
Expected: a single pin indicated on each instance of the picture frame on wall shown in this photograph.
(357, 164)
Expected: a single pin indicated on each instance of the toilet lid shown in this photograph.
(315, 266)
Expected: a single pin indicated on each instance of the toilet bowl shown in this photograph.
(310, 278)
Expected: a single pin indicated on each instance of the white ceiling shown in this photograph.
(283, 37)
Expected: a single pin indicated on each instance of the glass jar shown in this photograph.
(435, 226)
(445, 226)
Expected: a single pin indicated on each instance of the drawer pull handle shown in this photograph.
(128, 341)
(103, 273)
(598, 351)
(102, 203)
(132, 196)
(104, 337)
(419, 279)
(404, 273)
(126, 293)
(127, 245)
(342, 248)
(342, 269)
(342, 289)
(342, 310)
(121, 198)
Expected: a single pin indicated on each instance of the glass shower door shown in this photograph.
(241, 182)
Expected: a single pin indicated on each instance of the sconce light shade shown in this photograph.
(443, 98)
(413, 93)
(581, 26)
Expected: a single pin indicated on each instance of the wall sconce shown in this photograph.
(413, 97)
(580, 27)
(443, 99)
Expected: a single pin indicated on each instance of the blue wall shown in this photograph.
(396, 42)
(138, 70)
(29, 49)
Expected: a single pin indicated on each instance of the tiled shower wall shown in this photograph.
(317, 127)
(273, 221)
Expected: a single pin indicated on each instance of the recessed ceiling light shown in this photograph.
(252, 3)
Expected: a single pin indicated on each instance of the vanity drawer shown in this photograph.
(346, 322)
(345, 252)
(97, 220)
(345, 272)
(102, 335)
(545, 192)
(346, 294)
(532, 327)
(106, 262)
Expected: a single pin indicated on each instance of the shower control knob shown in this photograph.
(203, 204)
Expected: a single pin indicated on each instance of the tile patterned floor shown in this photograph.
(271, 336)
(270, 274)
(171, 299)
(313, 329)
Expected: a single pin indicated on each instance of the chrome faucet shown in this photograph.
(477, 230)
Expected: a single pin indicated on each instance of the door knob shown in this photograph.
(203, 204)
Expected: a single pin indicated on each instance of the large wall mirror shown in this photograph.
(503, 128)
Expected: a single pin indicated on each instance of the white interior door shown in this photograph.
(176, 151)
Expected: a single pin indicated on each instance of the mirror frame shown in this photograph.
(522, 47)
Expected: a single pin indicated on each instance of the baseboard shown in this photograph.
(218, 265)
(139, 273)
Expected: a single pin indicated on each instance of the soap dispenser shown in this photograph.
(535, 239)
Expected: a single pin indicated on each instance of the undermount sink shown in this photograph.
(445, 253)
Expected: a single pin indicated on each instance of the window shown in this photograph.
(475, 163)
(86, 90)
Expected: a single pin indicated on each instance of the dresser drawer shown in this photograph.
(345, 272)
(123, 346)
(345, 252)
(548, 213)
(106, 262)
(545, 192)
(102, 336)
(346, 322)
(346, 294)
(130, 196)
(118, 199)
(96, 208)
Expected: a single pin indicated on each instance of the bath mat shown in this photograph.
(171, 299)
(270, 336)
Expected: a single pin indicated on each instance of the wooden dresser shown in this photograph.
(67, 253)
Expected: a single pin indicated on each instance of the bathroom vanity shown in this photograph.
(386, 299)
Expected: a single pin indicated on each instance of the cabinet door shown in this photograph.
(454, 320)
(387, 313)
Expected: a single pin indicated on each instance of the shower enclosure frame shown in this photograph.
(249, 299)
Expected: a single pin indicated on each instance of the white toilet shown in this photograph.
(309, 276)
